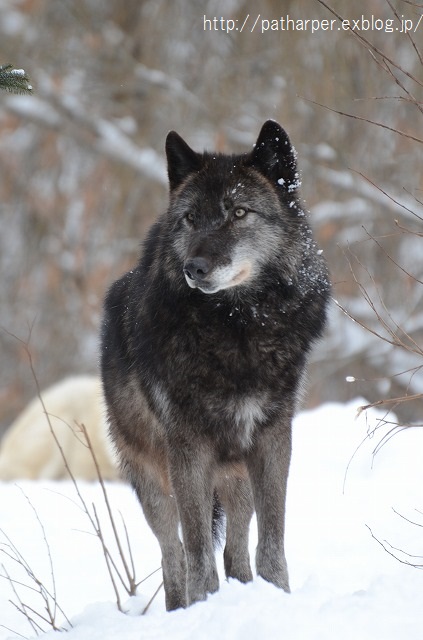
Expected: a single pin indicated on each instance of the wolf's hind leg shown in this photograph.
(161, 513)
(235, 494)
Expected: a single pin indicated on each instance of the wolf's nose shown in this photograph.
(197, 268)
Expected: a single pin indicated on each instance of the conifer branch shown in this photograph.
(14, 80)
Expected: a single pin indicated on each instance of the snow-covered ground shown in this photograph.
(344, 584)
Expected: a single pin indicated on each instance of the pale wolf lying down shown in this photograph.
(28, 449)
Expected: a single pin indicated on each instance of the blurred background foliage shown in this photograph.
(82, 171)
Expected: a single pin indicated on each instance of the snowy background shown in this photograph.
(344, 584)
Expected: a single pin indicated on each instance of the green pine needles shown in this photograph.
(14, 80)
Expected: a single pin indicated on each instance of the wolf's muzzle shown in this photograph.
(197, 268)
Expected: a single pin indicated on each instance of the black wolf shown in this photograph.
(204, 346)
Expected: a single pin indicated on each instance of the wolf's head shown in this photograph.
(233, 217)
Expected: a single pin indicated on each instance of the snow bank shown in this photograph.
(344, 584)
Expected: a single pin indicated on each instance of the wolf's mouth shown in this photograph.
(221, 279)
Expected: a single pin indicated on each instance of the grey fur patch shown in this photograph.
(247, 414)
(160, 399)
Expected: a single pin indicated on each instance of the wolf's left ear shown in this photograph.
(181, 159)
(275, 157)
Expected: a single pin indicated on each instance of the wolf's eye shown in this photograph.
(190, 216)
(240, 212)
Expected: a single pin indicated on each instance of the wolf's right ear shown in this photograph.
(181, 159)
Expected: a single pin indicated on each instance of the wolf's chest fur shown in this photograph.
(218, 371)
(230, 420)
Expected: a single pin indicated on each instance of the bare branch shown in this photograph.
(107, 559)
(411, 231)
(20, 607)
(409, 36)
(407, 273)
(399, 204)
(383, 545)
(355, 117)
(388, 401)
(130, 576)
(146, 608)
(417, 524)
(371, 47)
(15, 633)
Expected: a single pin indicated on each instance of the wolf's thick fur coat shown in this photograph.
(204, 346)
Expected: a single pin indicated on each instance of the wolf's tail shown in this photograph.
(218, 521)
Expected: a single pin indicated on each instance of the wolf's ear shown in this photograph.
(181, 159)
(275, 157)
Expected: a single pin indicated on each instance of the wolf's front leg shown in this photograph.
(161, 512)
(234, 491)
(268, 464)
(192, 472)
